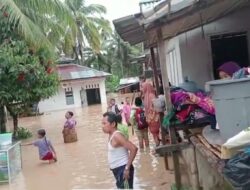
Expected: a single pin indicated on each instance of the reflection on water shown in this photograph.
(81, 165)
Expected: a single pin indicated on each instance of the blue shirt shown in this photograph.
(44, 146)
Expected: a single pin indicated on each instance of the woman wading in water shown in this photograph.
(69, 129)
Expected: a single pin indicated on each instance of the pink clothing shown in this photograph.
(153, 118)
(126, 111)
(70, 123)
(123, 119)
(149, 96)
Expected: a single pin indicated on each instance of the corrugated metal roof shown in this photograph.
(74, 72)
(128, 28)
(184, 15)
(130, 80)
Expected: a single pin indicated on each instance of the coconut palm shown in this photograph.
(115, 57)
(90, 26)
(35, 19)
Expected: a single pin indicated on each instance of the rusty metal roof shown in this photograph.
(175, 18)
(129, 28)
(75, 72)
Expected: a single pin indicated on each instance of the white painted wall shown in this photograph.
(195, 50)
(58, 102)
(103, 92)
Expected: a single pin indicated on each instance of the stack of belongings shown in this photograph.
(236, 151)
(190, 106)
(236, 144)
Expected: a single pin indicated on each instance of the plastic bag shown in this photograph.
(234, 144)
(126, 184)
(237, 171)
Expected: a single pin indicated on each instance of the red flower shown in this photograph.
(49, 70)
(5, 14)
(21, 77)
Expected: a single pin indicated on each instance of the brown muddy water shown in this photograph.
(81, 165)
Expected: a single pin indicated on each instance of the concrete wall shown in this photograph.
(103, 92)
(58, 102)
(198, 172)
(209, 178)
(195, 48)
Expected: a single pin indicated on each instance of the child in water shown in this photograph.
(45, 148)
(141, 133)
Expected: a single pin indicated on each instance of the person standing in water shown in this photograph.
(153, 118)
(114, 107)
(69, 128)
(45, 148)
(121, 152)
(126, 111)
(140, 124)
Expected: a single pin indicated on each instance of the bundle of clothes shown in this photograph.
(190, 108)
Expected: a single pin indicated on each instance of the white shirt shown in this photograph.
(117, 156)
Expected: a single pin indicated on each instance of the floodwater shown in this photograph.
(81, 165)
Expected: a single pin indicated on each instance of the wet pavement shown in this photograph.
(81, 165)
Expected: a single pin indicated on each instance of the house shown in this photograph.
(197, 36)
(192, 38)
(80, 86)
(129, 85)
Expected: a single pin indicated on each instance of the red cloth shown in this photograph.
(154, 127)
(154, 122)
(183, 114)
(48, 156)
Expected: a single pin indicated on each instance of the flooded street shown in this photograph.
(81, 165)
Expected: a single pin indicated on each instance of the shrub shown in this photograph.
(23, 133)
(112, 83)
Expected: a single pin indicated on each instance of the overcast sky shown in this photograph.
(118, 8)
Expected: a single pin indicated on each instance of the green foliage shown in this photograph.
(112, 83)
(23, 133)
(33, 19)
(115, 57)
(90, 26)
(27, 77)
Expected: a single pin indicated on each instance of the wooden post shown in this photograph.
(165, 80)
(155, 71)
(163, 134)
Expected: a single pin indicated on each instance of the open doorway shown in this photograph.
(229, 47)
(93, 96)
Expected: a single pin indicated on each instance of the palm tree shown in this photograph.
(90, 26)
(115, 57)
(35, 19)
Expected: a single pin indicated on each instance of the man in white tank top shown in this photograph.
(121, 152)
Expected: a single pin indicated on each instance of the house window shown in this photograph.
(174, 68)
(69, 96)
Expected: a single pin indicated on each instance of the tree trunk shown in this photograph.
(75, 52)
(2, 120)
(14, 115)
(81, 53)
(15, 124)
